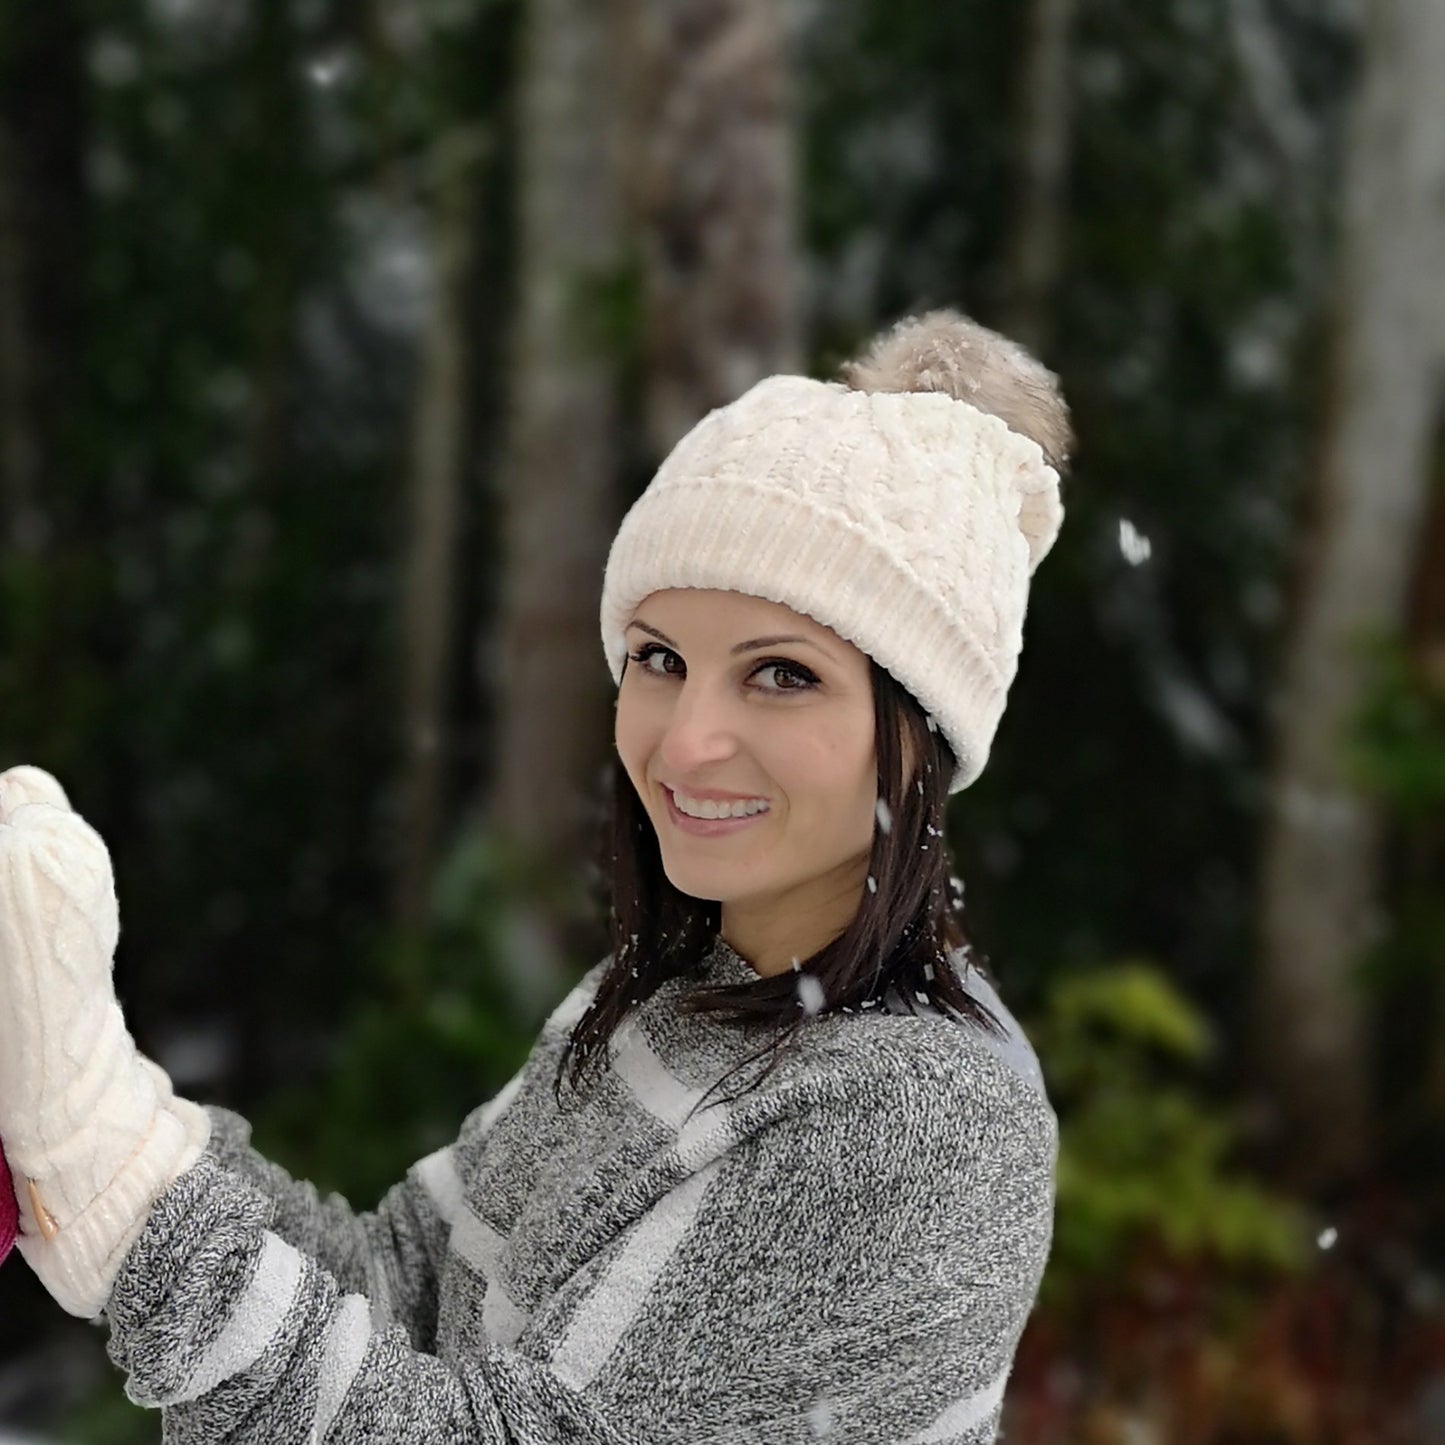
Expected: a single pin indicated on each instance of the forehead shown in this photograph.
(710, 612)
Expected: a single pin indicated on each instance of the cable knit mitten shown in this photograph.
(91, 1129)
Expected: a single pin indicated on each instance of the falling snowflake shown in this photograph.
(114, 60)
(810, 993)
(326, 70)
(1133, 543)
(820, 1417)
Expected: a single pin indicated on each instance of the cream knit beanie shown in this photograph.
(906, 510)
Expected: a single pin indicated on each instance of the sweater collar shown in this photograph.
(723, 964)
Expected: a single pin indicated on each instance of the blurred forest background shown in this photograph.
(336, 336)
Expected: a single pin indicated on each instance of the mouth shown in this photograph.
(707, 827)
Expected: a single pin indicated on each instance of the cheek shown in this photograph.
(838, 764)
(626, 739)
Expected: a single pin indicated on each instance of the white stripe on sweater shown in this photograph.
(479, 1244)
(475, 1241)
(963, 1415)
(493, 1110)
(566, 1014)
(438, 1174)
(253, 1323)
(605, 1315)
(503, 1318)
(657, 1088)
(705, 1135)
(346, 1339)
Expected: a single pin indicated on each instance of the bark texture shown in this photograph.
(438, 460)
(558, 483)
(711, 178)
(1321, 883)
(1042, 150)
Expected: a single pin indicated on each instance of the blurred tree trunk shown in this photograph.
(557, 486)
(711, 178)
(1321, 862)
(284, 179)
(1041, 144)
(1425, 842)
(439, 437)
(42, 229)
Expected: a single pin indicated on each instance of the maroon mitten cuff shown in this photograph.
(9, 1211)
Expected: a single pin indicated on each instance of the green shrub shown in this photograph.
(1397, 743)
(1143, 1158)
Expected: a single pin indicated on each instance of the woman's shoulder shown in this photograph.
(1009, 1043)
(923, 1065)
(933, 1091)
(959, 1061)
(968, 1091)
(966, 1045)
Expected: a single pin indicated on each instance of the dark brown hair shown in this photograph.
(898, 938)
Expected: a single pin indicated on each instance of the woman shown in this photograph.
(780, 1168)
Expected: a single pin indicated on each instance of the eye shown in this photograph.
(643, 656)
(789, 676)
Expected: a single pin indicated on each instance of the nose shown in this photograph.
(701, 729)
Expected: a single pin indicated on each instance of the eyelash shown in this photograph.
(807, 678)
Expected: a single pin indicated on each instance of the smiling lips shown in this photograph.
(709, 827)
(716, 805)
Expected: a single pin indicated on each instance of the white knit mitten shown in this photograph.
(93, 1133)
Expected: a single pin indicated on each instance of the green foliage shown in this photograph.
(439, 1035)
(1395, 752)
(109, 1418)
(1142, 1156)
(1396, 749)
(1131, 1002)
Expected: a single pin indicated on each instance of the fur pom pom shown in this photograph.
(948, 352)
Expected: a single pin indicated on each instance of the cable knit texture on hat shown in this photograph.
(909, 522)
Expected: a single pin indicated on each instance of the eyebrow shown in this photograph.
(752, 645)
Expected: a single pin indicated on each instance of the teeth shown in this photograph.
(696, 808)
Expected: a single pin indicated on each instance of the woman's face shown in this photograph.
(714, 700)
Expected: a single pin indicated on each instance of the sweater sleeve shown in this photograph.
(239, 1337)
(391, 1256)
(859, 1269)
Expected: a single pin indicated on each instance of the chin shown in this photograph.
(700, 883)
(707, 881)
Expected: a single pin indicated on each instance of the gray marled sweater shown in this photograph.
(848, 1253)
